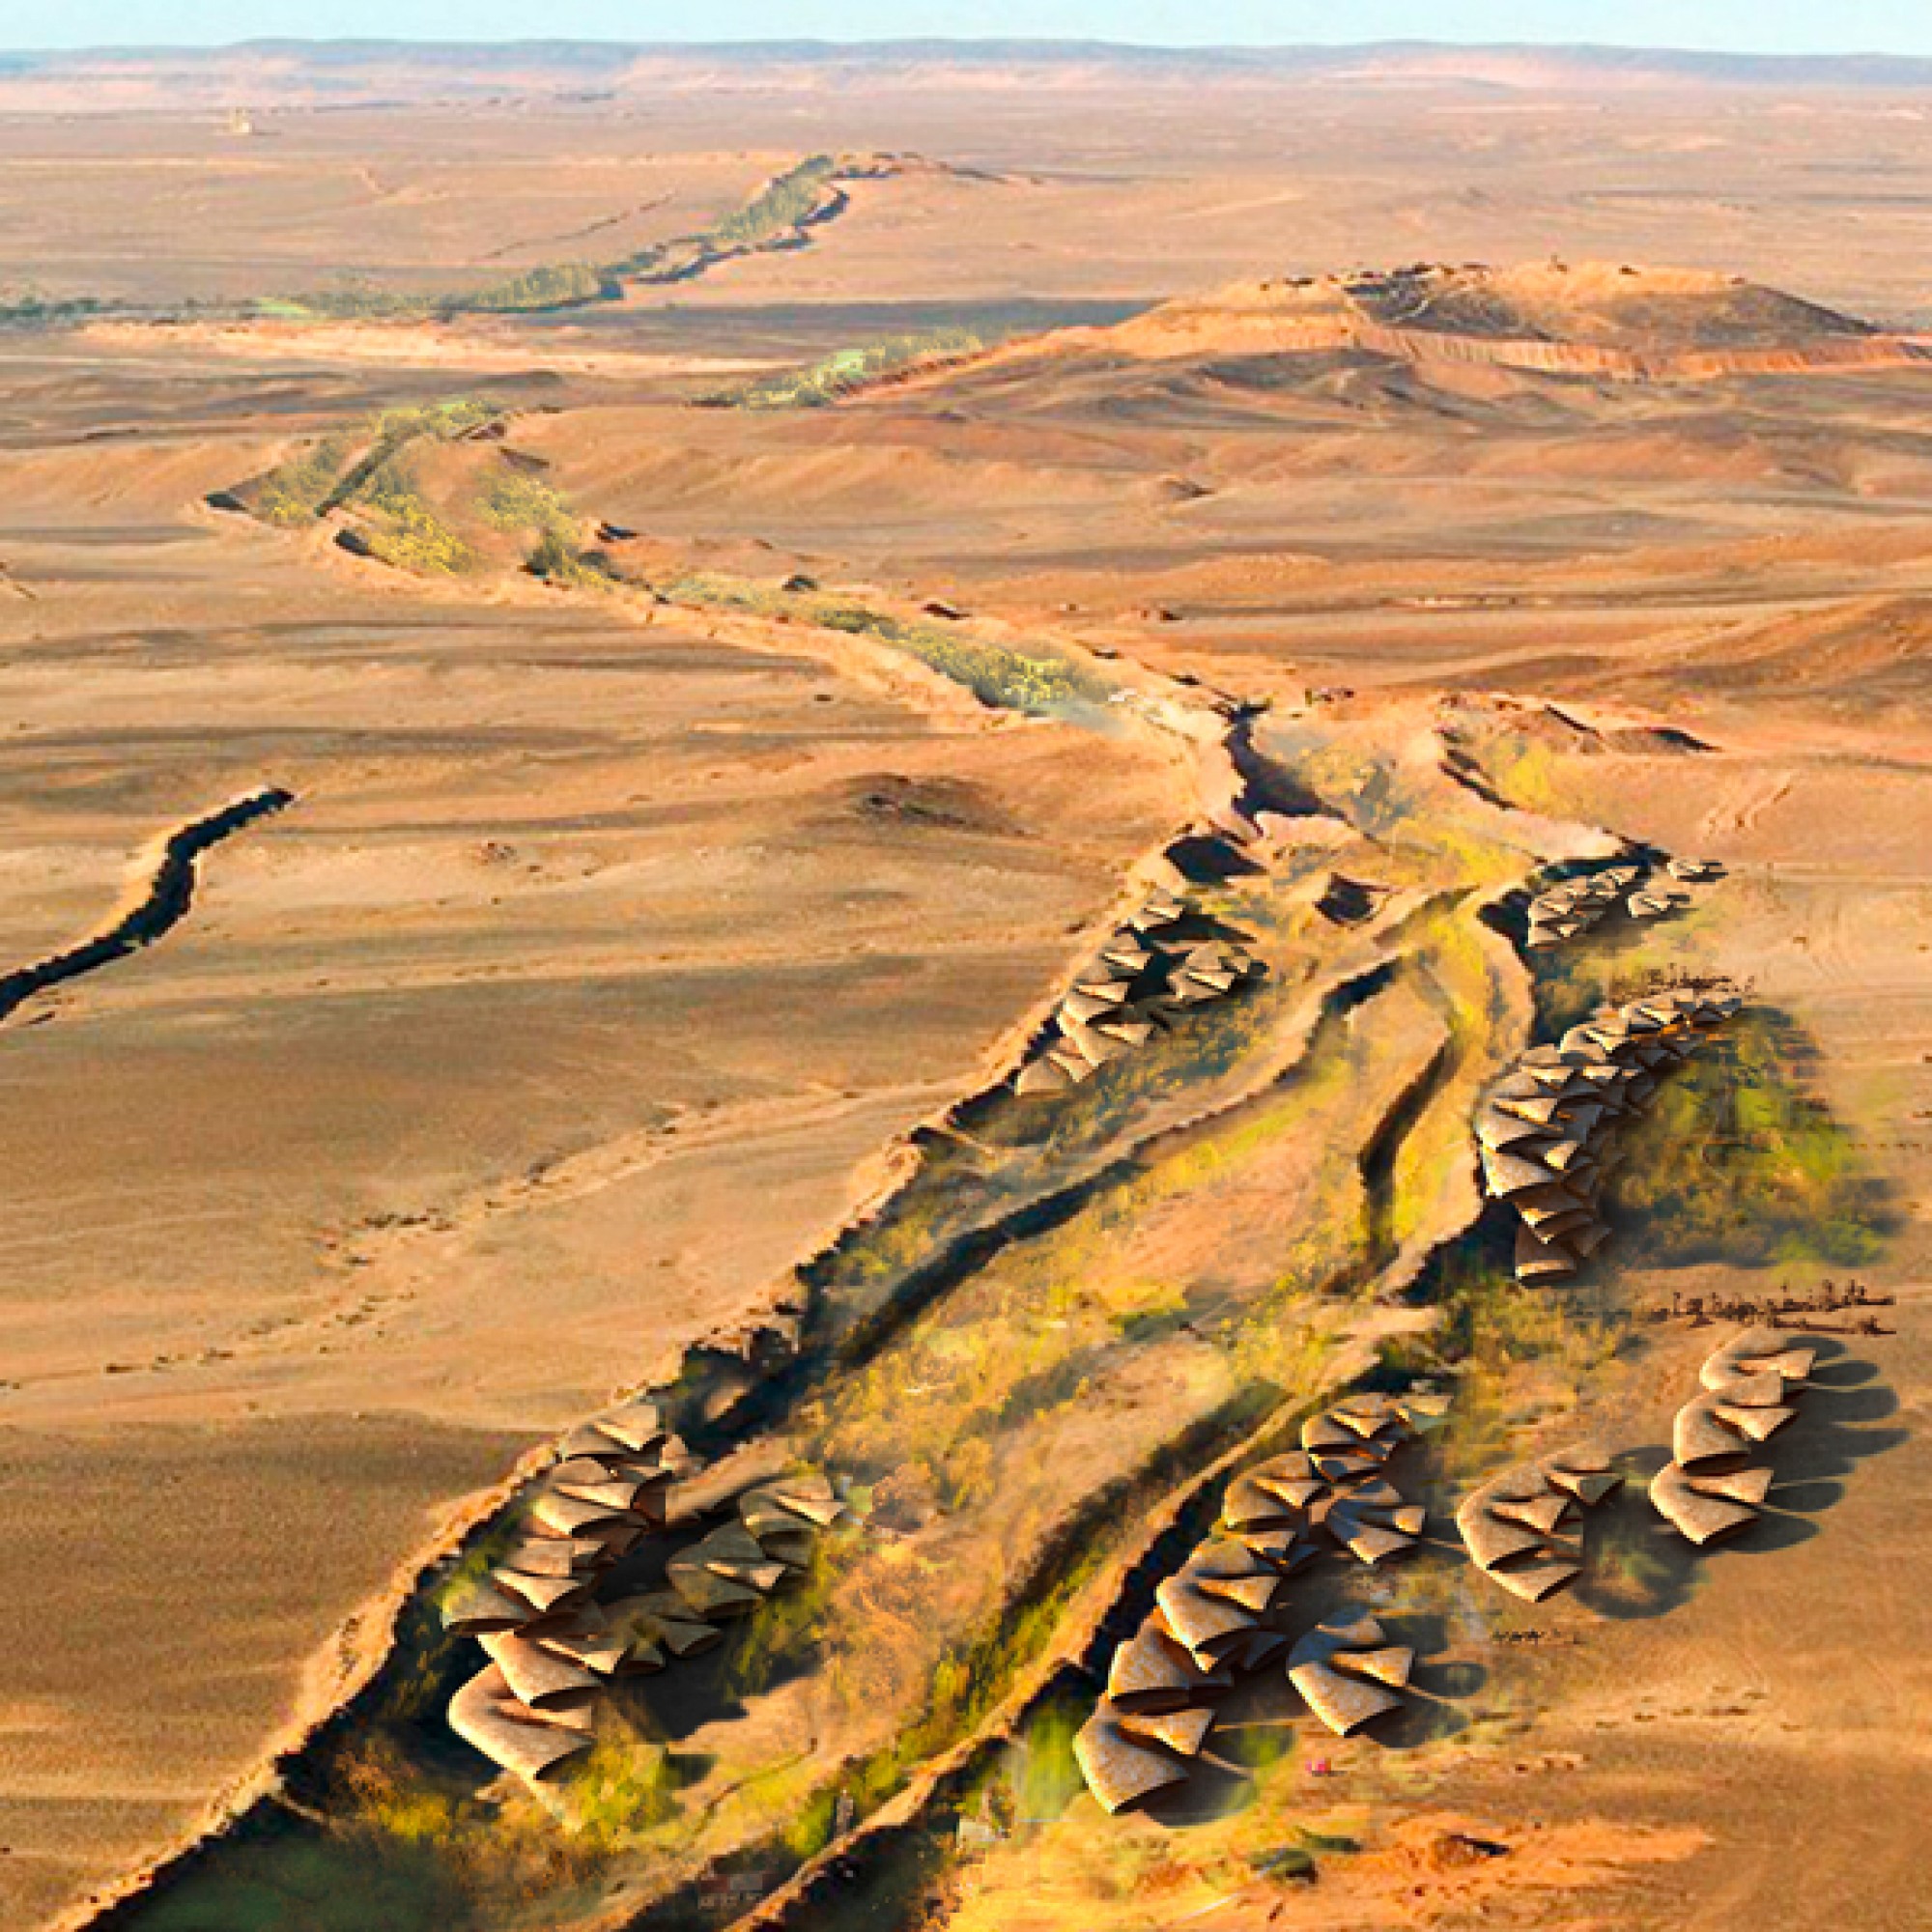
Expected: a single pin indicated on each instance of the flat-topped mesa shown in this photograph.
(1710, 1489)
(1544, 1133)
(1616, 320)
(1218, 1615)
(552, 1645)
(1522, 1528)
(1144, 976)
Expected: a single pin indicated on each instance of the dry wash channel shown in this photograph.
(161, 902)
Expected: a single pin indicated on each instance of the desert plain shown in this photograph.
(713, 721)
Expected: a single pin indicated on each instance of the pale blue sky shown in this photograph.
(1765, 26)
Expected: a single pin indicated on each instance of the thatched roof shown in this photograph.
(543, 1594)
(602, 1651)
(1589, 1490)
(1346, 1630)
(1042, 1077)
(1390, 1665)
(536, 1676)
(1120, 1769)
(475, 1607)
(1498, 1130)
(1537, 1577)
(1181, 1731)
(1703, 1518)
(1367, 1491)
(1539, 1206)
(706, 1592)
(1491, 1541)
(1248, 1505)
(1152, 1672)
(1254, 1592)
(620, 1494)
(1746, 1391)
(1367, 1541)
(557, 1555)
(1737, 1486)
(1095, 1048)
(1542, 1513)
(1203, 1621)
(763, 1511)
(810, 1495)
(1756, 1351)
(1081, 1007)
(1219, 977)
(1700, 1437)
(1344, 1704)
(588, 1439)
(663, 1618)
(1540, 1261)
(1283, 1549)
(1758, 1425)
(572, 1516)
(1323, 1431)
(485, 1715)
(637, 1425)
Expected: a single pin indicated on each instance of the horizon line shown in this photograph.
(1040, 42)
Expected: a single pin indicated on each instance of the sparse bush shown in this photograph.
(514, 502)
(412, 536)
(294, 493)
(1736, 1160)
(850, 371)
(783, 204)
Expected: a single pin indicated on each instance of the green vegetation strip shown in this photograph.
(778, 214)
(821, 384)
(1038, 682)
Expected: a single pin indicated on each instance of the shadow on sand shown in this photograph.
(1640, 1567)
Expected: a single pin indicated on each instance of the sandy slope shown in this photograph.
(440, 1116)
(596, 964)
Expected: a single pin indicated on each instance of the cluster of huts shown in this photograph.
(552, 1646)
(1711, 1488)
(1521, 1528)
(1148, 973)
(1545, 1131)
(1218, 1614)
(1569, 909)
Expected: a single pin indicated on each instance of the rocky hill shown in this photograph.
(1589, 319)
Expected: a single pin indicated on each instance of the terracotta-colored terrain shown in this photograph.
(623, 929)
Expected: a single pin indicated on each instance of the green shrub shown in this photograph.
(514, 502)
(850, 371)
(412, 536)
(1735, 1161)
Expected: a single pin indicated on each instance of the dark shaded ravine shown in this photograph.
(874, 1877)
(166, 902)
(838, 1335)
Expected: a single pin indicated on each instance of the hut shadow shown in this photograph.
(1216, 1789)
(1638, 1567)
(1431, 1707)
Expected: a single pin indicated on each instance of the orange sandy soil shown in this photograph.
(439, 1114)
(1099, 188)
